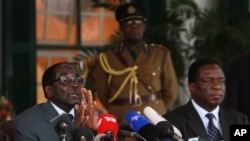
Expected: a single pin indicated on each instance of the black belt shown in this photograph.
(144, 99)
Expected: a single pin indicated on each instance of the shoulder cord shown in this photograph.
(131, 77)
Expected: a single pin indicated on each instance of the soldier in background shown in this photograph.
(135, 74)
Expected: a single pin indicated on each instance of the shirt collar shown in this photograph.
(202, 112)
(60, 111)
(122, 47)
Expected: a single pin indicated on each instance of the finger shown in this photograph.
(89, 97)
(80, 119)
(94, 105)
(83, 91)
(76, 107)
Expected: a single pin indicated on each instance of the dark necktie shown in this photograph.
(213, 132)
(70, 117)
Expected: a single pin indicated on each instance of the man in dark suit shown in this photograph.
(64, 88)
(206, 83)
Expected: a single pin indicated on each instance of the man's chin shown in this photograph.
(76, 102)
(135, 40)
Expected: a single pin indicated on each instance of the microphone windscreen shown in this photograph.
(99, 137)
(62, 125)
(107, 123)
(82, 134)
(62, 121)
(165, 129)
(156, 118)
(142, 126)
(149, 132)
(136, 120)
(152, 115)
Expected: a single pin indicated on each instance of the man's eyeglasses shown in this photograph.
(69, 80)
(134, 22)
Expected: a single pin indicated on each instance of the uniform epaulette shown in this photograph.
(158, 45)
(106, 49)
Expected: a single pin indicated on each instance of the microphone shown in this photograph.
(165, 128)
(197, 139)
(62, 125)
(142, 126)
(62, 129)
(83, 134)
(125, 133)
(107, 124)
(101, 137)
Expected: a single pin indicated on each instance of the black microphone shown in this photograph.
(62, 130)
(165, 128)
(125, 133)
(107, 136)
(142, 126)
(83, 134)
(62, 126)
(125, 130)
(104, 137)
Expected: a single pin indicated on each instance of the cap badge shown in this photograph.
(131, 9)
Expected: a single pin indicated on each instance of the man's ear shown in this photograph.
(48, 92)
(191, 87)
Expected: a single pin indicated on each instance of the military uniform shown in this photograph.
(154, 65)
(126, 81)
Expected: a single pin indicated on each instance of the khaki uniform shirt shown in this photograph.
(155, 67)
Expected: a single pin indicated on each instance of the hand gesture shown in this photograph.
(87, 114)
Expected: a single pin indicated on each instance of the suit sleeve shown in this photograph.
(23, 132)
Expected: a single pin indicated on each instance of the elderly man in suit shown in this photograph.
(206, 83)
(64, 88)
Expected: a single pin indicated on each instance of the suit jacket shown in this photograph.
(187, 120)
(34, 124)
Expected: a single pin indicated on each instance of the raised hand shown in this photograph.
(87, 114)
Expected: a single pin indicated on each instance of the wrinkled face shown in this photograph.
(209, 88)
(133, 29)
(65, 91)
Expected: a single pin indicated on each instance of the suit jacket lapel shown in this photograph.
(49, 111)
(225, 119)
(195, 123)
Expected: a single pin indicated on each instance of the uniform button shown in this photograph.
(153, 73)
